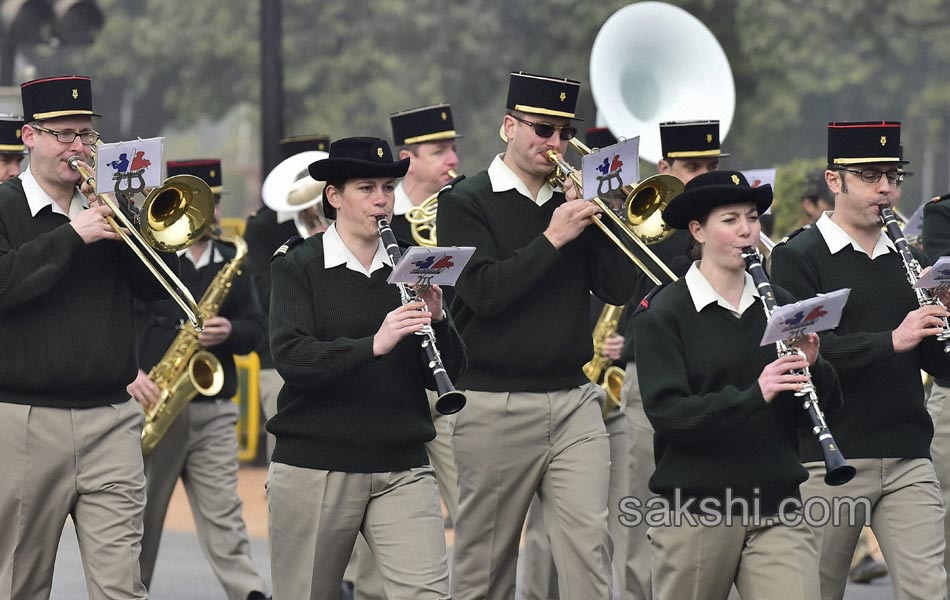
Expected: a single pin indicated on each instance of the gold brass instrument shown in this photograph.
(187, 369)
(175, 216)
(422, 218)
(600, 365)
(642, 209)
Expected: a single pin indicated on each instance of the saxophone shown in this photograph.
(187, 369)
(600, 365)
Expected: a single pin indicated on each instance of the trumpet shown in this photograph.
(422, 218)
(912, 269)
(176, 215)
(837, 469)
(642, 208)
(450, 400)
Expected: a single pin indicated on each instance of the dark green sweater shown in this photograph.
(884, 413)
(67, 333)
(342, 409)
(521, 305)
(698, 375)
(264, 235)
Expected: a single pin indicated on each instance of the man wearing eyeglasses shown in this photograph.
(883, 341)
(69, 434)
(11, 146)
(532, 422)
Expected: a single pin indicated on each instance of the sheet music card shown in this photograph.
(821, 313)
(608, 169)
(427, 266)
(938, 277)
(129, 166)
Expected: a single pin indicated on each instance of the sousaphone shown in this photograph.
(652, 62)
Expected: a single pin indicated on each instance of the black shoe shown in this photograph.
(346, 591)
(867, 570)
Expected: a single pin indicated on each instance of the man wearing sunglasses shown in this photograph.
(69, 434)
(880, 346)
(533, 422)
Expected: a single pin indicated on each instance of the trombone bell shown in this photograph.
(177, 214)
(644, 207)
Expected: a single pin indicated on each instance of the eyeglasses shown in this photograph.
(546, 130)
(88, 138)
(873, 175)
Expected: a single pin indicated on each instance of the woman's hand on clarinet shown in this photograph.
(809, 345)
(399, 323)
(433, 299)
(777, 376)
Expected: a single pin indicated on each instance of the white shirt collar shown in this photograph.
(504, 179)
(210, 254)
(403, 203)
(336, 253)
(38, 199)
(837, 238)
(703, 294)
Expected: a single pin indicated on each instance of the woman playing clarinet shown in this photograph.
(725, 413)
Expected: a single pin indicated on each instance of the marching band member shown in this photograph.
(883, 341)
(690, 149)
(266, 230)
(11, 146)
(69, 434)
(533, 422)
(726, 424)
(427, 136)
(200, 446)
(352, 418)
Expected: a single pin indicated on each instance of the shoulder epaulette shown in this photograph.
(793, 234)
(941, 198)
(644, 304)
(287, 246)
(451, 184)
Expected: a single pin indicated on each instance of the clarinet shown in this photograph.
(450, 400)
(837, 470)
(912, 269)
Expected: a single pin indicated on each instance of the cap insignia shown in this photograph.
(444, 116)
(708, 138)
(211, 173)
(321, 146)
(17, 134)
(75, 94)
(563, 96)
(735, 180)
(379, 152)
(883, 140)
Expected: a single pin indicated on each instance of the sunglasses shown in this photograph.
(546, 130)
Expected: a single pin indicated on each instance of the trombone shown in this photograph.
(642, 209)
(176, 215)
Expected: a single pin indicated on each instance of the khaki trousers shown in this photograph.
(316, 515)
(538, 575)
(939, 406)
(509, 447)
(637, 578)
(906, 516)
(201, 448)
(269, 385)
(83, 463)
(368, 585)
(697, 562)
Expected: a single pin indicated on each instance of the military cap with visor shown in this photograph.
(11, 141)
(206, 169)
(55, 97)
(543, 95)
(865, 142)
(690, 139)
(425, 124)
(304, 143)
